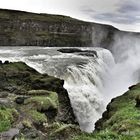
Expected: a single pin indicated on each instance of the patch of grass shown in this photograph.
(42, 103)
(37, 117)
(7, 116)
(16, 66)
(39, 92)
(27, 123)
(123, 122)
(66, 131)
(105, 135)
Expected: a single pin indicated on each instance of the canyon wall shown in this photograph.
(19, 28)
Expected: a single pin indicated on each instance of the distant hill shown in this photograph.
(19, 28)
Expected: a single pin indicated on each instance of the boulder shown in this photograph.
(10, 134)
(3, 94)
(20, 100)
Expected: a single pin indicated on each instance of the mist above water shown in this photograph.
(126, 72)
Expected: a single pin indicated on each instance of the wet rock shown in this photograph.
(20, 100)
(31, 134)
(89, 53)
(10, 134)
(70, 50)
(132, 87)
(51, 113)
(3, 94)
(6, 102)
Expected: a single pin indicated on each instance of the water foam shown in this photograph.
(85, 85)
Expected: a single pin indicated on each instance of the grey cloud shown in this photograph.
(130, 6)
(128, 12)
(117, 18)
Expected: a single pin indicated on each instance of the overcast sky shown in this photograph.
(123, 14)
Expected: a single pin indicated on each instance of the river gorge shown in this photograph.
(92, 77)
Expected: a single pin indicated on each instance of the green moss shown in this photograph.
(39, 92)
(105, 135)
(61, 130)
(27, 123)
(43, 103)
(123, 122)
(16, 66)
(63, 127)
(37, 117)
(7, 116)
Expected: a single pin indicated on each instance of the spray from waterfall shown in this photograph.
(126, 72)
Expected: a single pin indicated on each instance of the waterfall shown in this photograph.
(90, 81)
(85, 85)
(86, 77)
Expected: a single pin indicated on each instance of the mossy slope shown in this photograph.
(121, 121)
(32, 103)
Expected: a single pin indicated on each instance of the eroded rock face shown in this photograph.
(27, 29)
(32, 102)
(90, 53)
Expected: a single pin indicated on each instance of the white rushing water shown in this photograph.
(91, 81)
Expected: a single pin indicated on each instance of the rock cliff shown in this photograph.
(33, 105)
(19, 28)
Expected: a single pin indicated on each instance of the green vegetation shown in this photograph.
(42, 103)
(7, 117)
(106, 135)
(16, 66)
(37, 117)
(39, 92)
(61, 130)
(122, 119)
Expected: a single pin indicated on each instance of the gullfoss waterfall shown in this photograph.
(85, 85)
(91, 80)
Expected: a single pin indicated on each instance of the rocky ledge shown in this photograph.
(90, 53)
(33, 105)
